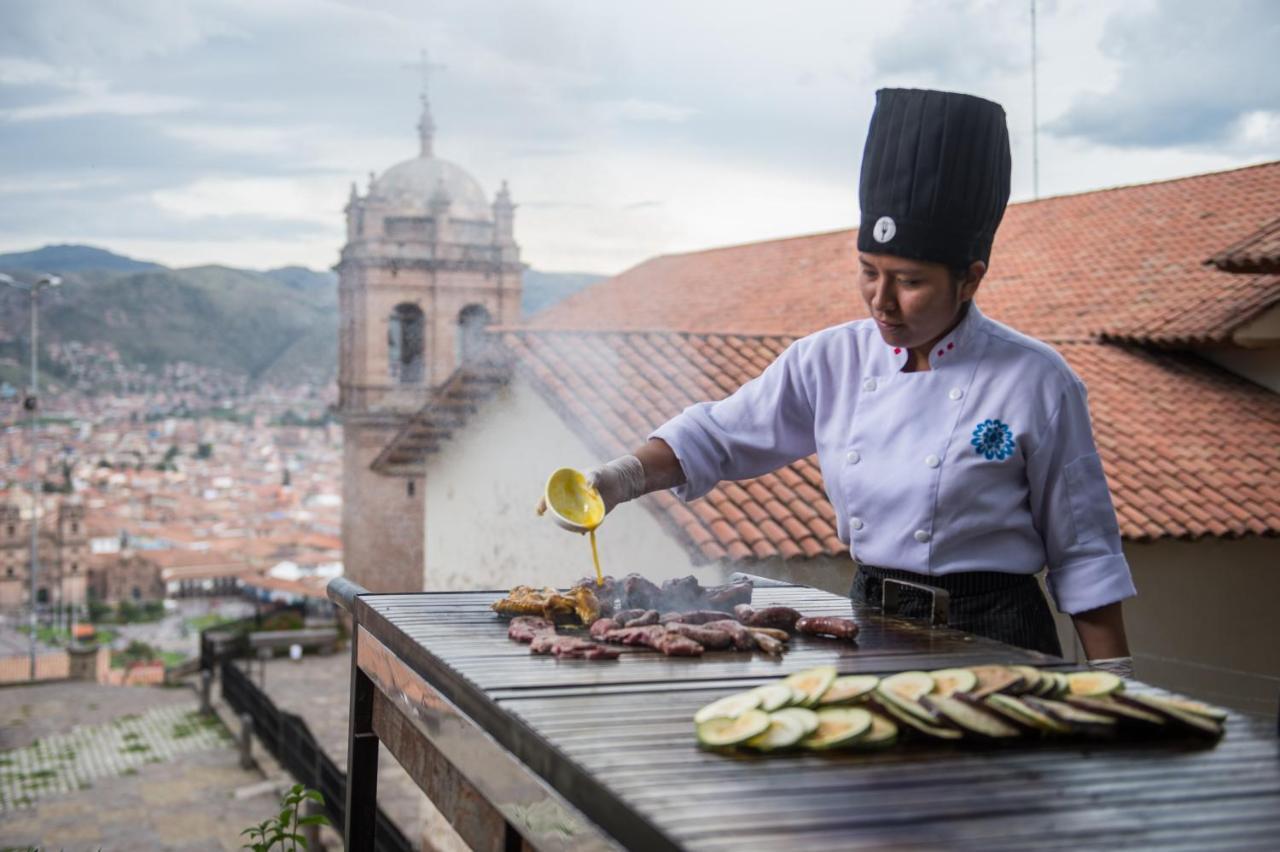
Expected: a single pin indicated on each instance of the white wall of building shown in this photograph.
(481, 489)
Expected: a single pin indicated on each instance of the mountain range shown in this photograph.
(277, 325)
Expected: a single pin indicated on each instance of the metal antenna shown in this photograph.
(1035, 121)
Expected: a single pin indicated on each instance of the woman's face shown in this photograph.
(914, 302)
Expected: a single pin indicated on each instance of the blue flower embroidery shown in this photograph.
(993, 440)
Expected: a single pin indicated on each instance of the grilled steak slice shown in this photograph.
(778, 617)
(828, 625)
(648, 635)
(625, 617)
(743, 612)
(708, 637)
(675, 645)
(742, 638)
(650, 616)
(524, 628)
(602, 626)
(728, 595)
(574, 647)
(637, 592)
(698, 616)
(600, 652)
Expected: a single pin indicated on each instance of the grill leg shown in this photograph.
(362, 762)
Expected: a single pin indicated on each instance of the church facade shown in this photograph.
(429, 262)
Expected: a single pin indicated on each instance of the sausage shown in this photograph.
(772, 633)
(779, 617)
(698, 616)
(768, 644)
(828, 625)
(743, 640)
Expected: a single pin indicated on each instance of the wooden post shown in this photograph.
(246, 741)
(206, 688)
(362, 762)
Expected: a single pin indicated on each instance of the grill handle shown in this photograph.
(343, 592)
(939, 599)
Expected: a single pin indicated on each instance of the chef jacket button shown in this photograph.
(855, 523)
(869, 384)
(932, 460)
(853, 457)
(956, 393)
(922, 536)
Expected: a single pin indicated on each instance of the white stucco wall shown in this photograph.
(481, 529)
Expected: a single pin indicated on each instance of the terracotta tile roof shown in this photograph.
(1258, 252)
(1124, 263)
(1173, 470)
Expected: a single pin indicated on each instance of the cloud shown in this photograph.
(1189, 73)
(954, 45)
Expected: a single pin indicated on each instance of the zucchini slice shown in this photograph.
(773, 696)
(1125, 713)
(1093, 684)
(938, 732)
(1079, 721)
(1061, 686)
(1031, 678)
(783, 732)
(807, 719)
(912, 708)
(729, 707)
(721, 733)
(1021, 713)
(1197, 708)
(849, 689)
(951, 681)
(973, 720)
(812, 682)
(882, 734)
(993, 679)
(910, 686)
(1201, 726)
(838, 726)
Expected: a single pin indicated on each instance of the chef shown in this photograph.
(956, 451)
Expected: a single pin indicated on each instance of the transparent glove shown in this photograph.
(1118, 666)
(617, 481)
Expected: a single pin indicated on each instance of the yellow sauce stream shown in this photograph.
(595, 556)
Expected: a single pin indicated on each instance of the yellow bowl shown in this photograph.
(573, 503)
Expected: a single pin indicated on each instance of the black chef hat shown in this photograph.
(935, 176)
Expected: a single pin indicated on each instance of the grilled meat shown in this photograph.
(742, 638)
(768, 644)
(728, 595)
(675, 645)
(579, 602)
(627, 616)
(644, 619)
(743, 612)
(778, 617)
(524, 627)
(772, 633)
(602, 626)
(570, 647)
(637, 592)
(708, 637)
(698, 616)
(828, 625)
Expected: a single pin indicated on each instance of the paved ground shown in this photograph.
(88, 767)
(317, 689)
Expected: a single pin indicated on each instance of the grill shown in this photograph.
(522, 751)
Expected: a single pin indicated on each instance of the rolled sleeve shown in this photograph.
(1072, 509)
(765, 424)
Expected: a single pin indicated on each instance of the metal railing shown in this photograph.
(293, 745)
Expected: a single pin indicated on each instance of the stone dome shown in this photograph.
(410, 185)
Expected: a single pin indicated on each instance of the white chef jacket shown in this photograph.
(985, 462)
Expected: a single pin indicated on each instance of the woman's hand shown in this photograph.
(652, 467)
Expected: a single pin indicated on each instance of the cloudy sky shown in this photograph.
(229, 131)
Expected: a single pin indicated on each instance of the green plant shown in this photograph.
(281, 831)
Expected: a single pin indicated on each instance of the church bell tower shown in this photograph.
(429, 261)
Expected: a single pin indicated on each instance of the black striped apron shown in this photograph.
(1007, 607)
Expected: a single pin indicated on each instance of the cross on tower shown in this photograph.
(426, 127)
